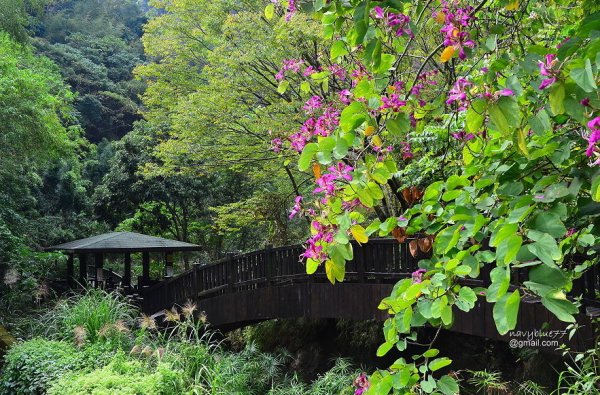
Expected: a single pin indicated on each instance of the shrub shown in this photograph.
(30, 367)
(122, 377)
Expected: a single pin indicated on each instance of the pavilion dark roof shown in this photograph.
(123, 242)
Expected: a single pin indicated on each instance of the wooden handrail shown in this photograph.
(381, 260)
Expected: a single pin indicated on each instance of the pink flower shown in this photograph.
(341, 171)
(417, 275)
(326, 123)
(292, 9)
(378, 12)
(547, 70)
(345, 95)
(571, 232)
(297, 207)
(462, 135)
(338, 71)
(400, 23)
(393, 102)
(593, 138)
(298, 141)
(585, 102)
(313, 104)
(276, 145)
(310, 70)
(458, 94)
(406, 151)
(289, 65)
(456, 34)
(362, 384)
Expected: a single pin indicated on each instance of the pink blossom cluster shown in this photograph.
(423, 80)
(362, 384)
(493, 96)
(292, 65)
(392, 102)
(399, 23)
(593, 139)
(338, 71)
(455, 30)
(359, 74)
(276, 145)
(548, 69)
(314, 245)
(458, 94)
(327, 182)
(324, 125)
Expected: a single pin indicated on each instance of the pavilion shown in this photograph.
(124, 243)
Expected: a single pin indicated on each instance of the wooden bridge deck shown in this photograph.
(271, 283)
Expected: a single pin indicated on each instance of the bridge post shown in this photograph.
(230, 279)
(268, 263)
(361, 263)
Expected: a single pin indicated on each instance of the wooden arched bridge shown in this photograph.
(271, 283)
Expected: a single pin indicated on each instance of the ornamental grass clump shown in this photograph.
(94, 316)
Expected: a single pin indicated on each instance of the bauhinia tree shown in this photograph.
(469, 127)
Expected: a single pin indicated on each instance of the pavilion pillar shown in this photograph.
(70, 270)
(127, 271)
(145, 268)
(83, 269)
(99, 263)
(168, 264)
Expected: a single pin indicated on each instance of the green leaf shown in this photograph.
(283, 86)
(305, 86)
(561, 308)
(475, 115)
(431, 353)
(550, 223)
(551, 276)
(447, 385)
(311, 265)
(387, 61)
(352, 117)
(507, 250)
(502, 233)
(447, 239)
(557, 99)
(307, 155)
(399, 125)
(545, 247)
(384, 348)
(338, 49)
(270, 11)
(439, 363)
(446, 315)
(505, 115)
(584, 77)
(506, 311)
(466, 299)
(334, 270)
(500, 277)
(595, 190)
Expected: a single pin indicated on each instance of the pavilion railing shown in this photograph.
(379, 261)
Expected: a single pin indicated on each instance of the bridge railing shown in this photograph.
(379, 261)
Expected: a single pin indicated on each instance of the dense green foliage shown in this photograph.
(33, 365)
(115, 355)
(96, 45)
